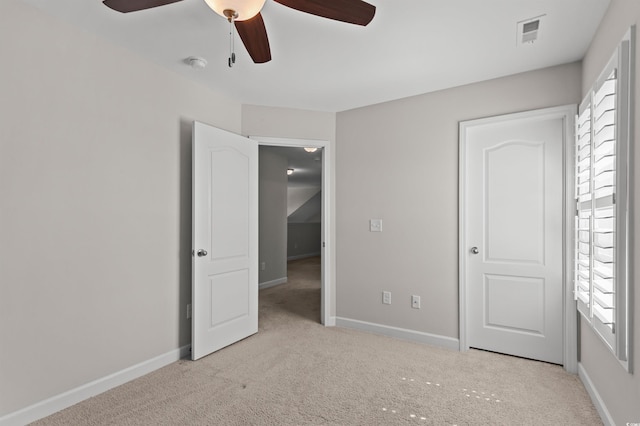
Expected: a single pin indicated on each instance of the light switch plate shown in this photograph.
(375, 225)
(415, 302)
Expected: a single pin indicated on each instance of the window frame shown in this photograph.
(617, 337)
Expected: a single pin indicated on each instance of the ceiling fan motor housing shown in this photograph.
(244, 9)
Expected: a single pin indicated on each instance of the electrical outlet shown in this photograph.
(263, 266)
(189, 311)
(415, 302)
(386, 297)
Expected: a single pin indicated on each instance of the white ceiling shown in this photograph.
(410, 47)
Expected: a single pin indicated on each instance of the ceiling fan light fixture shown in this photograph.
(244, 9)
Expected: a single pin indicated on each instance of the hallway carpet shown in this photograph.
(297, 372)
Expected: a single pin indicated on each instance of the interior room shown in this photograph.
(97, 166)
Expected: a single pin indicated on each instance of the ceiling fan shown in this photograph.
(245, 15)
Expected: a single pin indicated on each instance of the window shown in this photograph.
(602, 208)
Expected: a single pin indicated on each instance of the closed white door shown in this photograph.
(513, 242)
(225, 239)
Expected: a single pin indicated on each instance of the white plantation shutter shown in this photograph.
(583, 211)
(601, 237)
(603, 215)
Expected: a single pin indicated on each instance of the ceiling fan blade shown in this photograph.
(126, 6)
(254, 36)
(352, 11)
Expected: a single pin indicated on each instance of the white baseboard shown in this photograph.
(272, 283)
(595, 397)
(67, 399)
(303, 256)
(400, 333)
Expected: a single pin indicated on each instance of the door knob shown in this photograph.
(202, 253)
(475, 250)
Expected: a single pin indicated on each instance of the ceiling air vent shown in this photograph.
(529, 30)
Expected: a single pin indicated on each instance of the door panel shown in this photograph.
(225, 226)
(229, 295)
(514, 216)
(514, 179)
(514, 303)
(229, 214)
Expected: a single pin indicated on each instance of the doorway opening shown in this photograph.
(293, 220)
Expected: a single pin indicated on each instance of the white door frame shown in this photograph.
(327, 299)
(570, 332)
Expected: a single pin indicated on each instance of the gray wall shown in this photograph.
(311, 211)
(406, 157)
(273, 216)
(303, 240)
(298, 196)
(304, 229)
(95, 190)
(619, 390)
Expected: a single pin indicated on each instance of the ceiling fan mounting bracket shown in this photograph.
(230, 14)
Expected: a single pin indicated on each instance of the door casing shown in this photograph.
(570, 326)
(327, 296)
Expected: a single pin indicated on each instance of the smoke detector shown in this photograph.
(528, 31)
(196, 62)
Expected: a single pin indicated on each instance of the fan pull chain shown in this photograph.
(231, 16)
(232, 54)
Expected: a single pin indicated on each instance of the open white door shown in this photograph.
(225, 239)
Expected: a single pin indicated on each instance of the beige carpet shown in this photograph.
(297, 372)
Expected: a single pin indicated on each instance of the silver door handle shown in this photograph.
(202, 253)
(474, 250)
